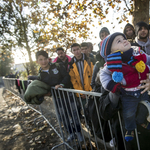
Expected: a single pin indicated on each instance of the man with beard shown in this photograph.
(62, 58)
(142, 36)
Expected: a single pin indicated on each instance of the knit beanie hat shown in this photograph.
(107, 42)
(104, 29)
(140, 25)
(128, 25)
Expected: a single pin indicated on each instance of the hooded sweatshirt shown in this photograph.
(145, 46)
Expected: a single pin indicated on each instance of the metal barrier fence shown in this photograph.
(77, 128)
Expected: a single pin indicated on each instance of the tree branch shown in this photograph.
(127, 6)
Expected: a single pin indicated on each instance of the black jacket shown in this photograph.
(107, 111)
(57, 74)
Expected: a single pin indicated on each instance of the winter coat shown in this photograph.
(66, 64)
(35, 92)
(127, 82)
(56, 74)
(96, 69)
(144, 45)
(108, 112)
(87, 75)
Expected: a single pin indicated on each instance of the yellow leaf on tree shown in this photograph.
(35, 31)
(113, 6)
(99, 23)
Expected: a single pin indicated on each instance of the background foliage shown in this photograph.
(47, 24)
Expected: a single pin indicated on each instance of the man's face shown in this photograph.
(76, 51)
(143, 33)
(43, 62)
(129, 32)
(85, 50)
(120, 43)
(61, 54)
(103, 35)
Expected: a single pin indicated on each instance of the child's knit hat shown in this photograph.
(107, 42)
(139, 25)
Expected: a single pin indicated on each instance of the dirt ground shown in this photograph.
(17, 127)
(20, 131)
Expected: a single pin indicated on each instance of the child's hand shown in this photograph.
(58, 86)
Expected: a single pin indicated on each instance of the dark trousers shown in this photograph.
(130, 102)
(68, 113)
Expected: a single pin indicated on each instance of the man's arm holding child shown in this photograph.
(145, 84)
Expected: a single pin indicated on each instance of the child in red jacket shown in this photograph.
(126, 67)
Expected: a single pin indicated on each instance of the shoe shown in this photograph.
(79, 136)
(70, 137)
(129, 136)
(112, 142)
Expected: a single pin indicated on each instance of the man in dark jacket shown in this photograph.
(62, 58)
(109, 105)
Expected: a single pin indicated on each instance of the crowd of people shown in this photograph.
(119, 70)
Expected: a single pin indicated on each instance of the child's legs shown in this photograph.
(129, 105)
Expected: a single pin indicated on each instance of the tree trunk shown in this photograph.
(33, 72)
(140, 11)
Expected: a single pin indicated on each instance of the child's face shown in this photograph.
(120, 43)
(43, 62)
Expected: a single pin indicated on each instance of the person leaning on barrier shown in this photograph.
(81, 69)
(49, 75)
(53, 74)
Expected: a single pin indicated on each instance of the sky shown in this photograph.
(111, 17)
